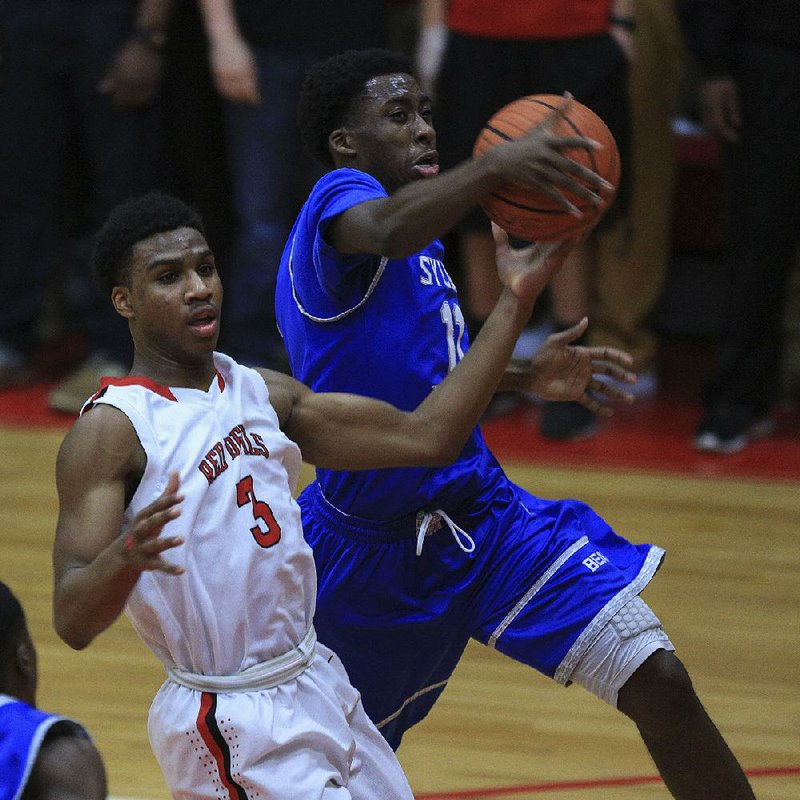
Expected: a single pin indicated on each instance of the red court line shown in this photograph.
(595, 783)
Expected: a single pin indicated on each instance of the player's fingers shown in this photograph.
(554, 181)
(168, 499)
(164, 502)
(611, 354)
(572, 175)
(589, 183)
(557, 112)
(599, 395)
(158, 564)
(170, 569)
(149, 527)
(570, 334)
(609, 390)
(140, 544)
(154, 547)
(614, 371)
(146, 554)
(500, 237)
(594, 405)
(173, 483)
(562, 143)
(546, 187)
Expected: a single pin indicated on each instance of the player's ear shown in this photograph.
(25, 664)
(121, 298)
(341, 144)
(26, 658)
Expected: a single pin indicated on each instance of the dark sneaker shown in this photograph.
(728, 430)
(567, 420)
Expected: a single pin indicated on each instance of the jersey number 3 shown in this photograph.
(261, 512)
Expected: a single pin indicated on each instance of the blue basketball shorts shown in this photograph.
(543, 579)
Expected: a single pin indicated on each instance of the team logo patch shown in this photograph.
(594, 561)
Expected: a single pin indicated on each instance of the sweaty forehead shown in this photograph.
(385, 87)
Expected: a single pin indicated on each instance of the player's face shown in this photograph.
(393, 133)
(175, 294)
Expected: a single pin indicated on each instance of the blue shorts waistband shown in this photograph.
(359, 527)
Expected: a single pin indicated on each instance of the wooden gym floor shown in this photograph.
(728, 594)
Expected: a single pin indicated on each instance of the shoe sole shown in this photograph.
(711, 443)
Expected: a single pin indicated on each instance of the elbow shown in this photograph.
(76, 636)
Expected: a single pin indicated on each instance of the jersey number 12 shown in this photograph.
(454, 325)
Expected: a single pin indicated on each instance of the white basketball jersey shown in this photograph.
(248, 591)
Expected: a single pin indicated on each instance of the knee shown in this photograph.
(659, 695)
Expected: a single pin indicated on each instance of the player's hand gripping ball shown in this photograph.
(533, 216)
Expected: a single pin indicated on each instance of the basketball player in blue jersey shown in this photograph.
(43, 756)
(412, 563)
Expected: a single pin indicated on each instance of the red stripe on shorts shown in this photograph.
(217, 745)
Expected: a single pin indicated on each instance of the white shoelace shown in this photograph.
(463, 539)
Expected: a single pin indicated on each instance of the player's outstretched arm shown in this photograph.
(400, 225)
(96, 563)
(343, 431)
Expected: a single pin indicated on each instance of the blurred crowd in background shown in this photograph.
(692, 272)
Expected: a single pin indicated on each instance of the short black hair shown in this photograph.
(129, 223)
(12, 628)
(330, 87)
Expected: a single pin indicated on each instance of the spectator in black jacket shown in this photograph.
(748, 56)
(77, 78)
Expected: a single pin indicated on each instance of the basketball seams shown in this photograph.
(505, 217)
(516, 209)
(516, 123)
(523, 207)
(498, 133)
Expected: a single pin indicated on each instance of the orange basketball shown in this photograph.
(533, 216)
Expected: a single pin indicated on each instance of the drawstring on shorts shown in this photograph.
(429, 522)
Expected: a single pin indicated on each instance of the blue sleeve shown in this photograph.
(334, 194)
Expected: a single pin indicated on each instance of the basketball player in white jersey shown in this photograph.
(176, 489)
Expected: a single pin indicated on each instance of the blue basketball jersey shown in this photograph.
(22, 731)
(385, 328)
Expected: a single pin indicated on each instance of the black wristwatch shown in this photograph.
(152, 38)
